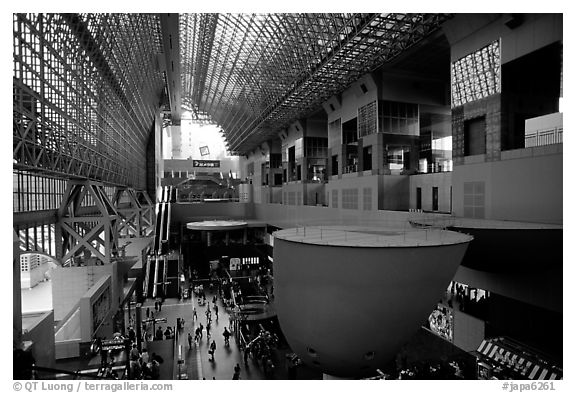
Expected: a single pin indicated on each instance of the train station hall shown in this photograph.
(288, 196)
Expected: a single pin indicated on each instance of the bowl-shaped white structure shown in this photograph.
(348, 298)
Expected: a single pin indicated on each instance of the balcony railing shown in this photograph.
(544, 137)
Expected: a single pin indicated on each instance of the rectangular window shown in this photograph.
(418, 198)
(335, 198)
(476, 75)
(367, 119)
(277, 179)
(475, 136)
(367, 158)
(435, 198)
(335, 165)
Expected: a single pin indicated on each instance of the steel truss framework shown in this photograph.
(87, 224)
(134, 216)
(148, 215)
(86, 90)
(253, 74)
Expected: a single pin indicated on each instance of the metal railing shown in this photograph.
(544, 137)
(418, 232)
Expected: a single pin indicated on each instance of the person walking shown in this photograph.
(236, 371)
(212, 350)
(216, 311)
(189, 340)
(160, 305)
(226, 335)
(194, 315)
(147, 312)
(208, 327)
(155, 305)
(201, 331)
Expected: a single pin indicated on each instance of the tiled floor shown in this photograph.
(196, 359)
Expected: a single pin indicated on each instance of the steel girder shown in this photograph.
(130, 212)
(86, 88)
(148, 215)
(134, 216)
(253, 74)
(87, 224)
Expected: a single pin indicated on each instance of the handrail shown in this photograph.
(164, 276)
(78, 373)
(544, 137)
(147, 278)
(154, 288)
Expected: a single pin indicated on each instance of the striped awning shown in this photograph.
(526, 366)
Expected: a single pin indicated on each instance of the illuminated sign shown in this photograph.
(206, 163)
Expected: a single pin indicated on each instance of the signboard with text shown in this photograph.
(206, 163)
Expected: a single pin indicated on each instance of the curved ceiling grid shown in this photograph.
(255, 73)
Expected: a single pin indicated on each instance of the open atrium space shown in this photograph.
(287, 196)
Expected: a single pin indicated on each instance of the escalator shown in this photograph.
(173, 278)
(149, 281)
(159, 279)
(161, 238)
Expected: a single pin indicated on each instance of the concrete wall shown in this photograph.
(284, 216)
(293, 193)
(87, 328)
(469, 32)
(526, 185)
(426, 181)
(41, 333)
(353, 98)
(394, 192)
(363, 184)
(71, 283)
(404, 88)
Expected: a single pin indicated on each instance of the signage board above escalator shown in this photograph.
(206, 163)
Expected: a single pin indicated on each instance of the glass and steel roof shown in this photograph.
(253, 74)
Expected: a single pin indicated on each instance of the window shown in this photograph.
(277, 179)
(367, 116)
(435, 198)
(367, 158)
(398, 118)
(476, 75)
(475, 136)
(334, 165)
(418, 198)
